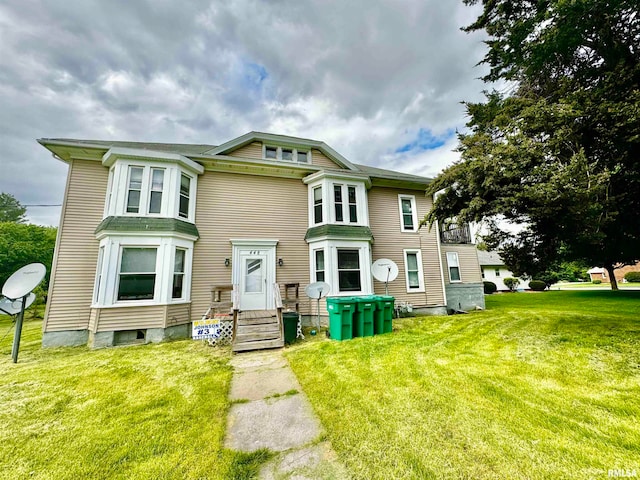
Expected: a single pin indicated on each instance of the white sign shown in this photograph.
(208, 328)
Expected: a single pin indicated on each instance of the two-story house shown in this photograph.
(148, 229)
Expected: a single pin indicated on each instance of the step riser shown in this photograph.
(267, 327)
(257, 321)
(243, 347)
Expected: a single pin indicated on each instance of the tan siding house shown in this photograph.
(149, 230)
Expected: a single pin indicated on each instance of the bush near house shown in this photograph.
(597, 282)
(511, 283)
(489, 288)
(632, 277)
(537, 285)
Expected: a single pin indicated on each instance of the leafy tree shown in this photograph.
(21, 244)
(11, 210)
(557, 151)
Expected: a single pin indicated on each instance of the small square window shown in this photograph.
(303, 157)
(287, 154)
(271, 152)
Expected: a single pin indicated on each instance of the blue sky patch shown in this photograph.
(426, 140)
(254, 76)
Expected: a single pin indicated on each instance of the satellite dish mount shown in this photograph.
(385, 270)
(317, 290)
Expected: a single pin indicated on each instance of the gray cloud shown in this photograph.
(366, 77)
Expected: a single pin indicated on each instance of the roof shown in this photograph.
(147, 224)
(354, 232)
(60, 146)
(489, 258)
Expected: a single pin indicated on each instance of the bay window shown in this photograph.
(135, 189)
(185, 191)
(178, 273)
(156, 187)
(319, 265)
(317, 205)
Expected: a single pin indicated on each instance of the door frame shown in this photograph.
(264, 246)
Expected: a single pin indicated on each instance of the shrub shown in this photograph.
(511, 283)
(597, 282)
(632, 276)
(489, 287)
(537, 285)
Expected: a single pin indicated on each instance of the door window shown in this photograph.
(253, 276)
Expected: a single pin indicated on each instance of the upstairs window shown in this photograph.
(185, 190)
(271, 152)
(337, 200)
(135, 189)
(349, 271)
(454, 267)
(317, 205)
(303, 157)
(353, 207)
(137, 278)
(155, 196)
(408, 213)
(287, 154)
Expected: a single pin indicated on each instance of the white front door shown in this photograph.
(254, 274)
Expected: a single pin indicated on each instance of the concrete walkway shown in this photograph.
(271, 411)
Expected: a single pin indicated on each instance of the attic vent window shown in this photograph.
(286, 154)
(271, 152)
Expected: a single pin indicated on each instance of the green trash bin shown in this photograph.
(341, 317)
(363, 320)
(386, 302)
(290, 320)
(378, 316)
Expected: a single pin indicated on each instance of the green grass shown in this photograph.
(541, 385)
(590, 285)
(139, 412)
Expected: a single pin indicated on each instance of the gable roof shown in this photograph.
(489, 258)
(284, 140)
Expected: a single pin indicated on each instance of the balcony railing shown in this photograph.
(455, 233)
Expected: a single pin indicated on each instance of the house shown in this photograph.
(147, 231)
(599, 273)
(494, 270)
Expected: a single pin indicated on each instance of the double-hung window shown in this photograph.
(134, 189)
(317, 205)
(353, 206)
(185, 192)
(349, 270)
(155, 190)
(177, 290)
(454, 267)
(137, 277)
(345, 203)
(319, 265)
(408, 213)
(337, 201)
(413, 270)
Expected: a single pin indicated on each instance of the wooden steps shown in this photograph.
(256, 330)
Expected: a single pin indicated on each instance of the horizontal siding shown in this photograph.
(131, 318)
(253, 150)
(319, 159)
(468, 259)
(73, 275)
(247, 206)
(178, 314)
(390, 241)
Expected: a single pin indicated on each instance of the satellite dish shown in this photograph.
(24, 280)
(385, 270)
(13, 307)
(317, 290)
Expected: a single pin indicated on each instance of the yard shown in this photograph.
(142, 412)
(542, 385)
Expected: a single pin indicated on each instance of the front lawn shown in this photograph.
(138, 412)
(541, 385)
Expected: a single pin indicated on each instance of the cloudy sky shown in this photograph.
(379, 81)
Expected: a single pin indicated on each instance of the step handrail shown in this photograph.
(277, 297)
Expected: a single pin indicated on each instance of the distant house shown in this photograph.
(149, 230)
(494, 270)
(599, 273)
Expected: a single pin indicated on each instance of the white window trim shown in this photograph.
(169, 207)
(418, 253)
(279, 153)
(330, 248)
(107, 294)
(314, 265)
(328, 202)
(450, 256)
(184, 274)
(414, 212)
